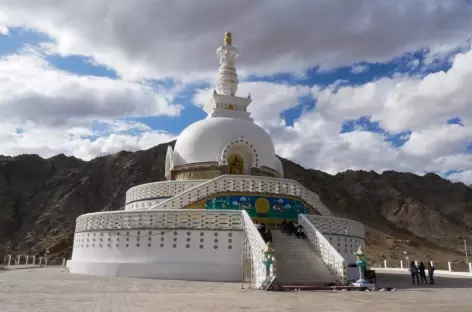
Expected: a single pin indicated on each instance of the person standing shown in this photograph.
(414, 273)
(422, 270)
(431, 272)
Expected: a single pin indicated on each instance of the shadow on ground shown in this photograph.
(403, 281)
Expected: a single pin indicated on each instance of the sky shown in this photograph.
(361, 85)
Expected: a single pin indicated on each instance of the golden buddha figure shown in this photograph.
(236, 164)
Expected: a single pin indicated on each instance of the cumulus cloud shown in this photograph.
(159, 39)
(403, 102)
(464, 177)
(359, 68)
(82, 142)
(32, 90)
(47, 111)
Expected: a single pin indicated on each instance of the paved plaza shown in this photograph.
(54, 289)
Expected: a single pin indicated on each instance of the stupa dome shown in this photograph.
(216, 138)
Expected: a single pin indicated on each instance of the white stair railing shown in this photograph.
(242, 183)
(330, 256)
(254, 248)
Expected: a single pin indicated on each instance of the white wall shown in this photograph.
(169, 254)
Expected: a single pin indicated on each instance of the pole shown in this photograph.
(466, 255)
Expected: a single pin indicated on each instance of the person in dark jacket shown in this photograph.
(422, 270)
(291, 228)
(431, 272)
(414, 273)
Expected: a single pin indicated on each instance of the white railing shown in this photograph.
(254, 248)
(241, 183)
(160, 219)
(331, 257)
(337, 226)
(159, 189)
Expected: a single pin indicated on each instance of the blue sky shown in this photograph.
(402, 98)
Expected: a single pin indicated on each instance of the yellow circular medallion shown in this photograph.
(262, 206)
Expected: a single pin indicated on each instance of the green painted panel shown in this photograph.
(260, 206)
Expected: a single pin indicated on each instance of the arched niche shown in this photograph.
(240, 151)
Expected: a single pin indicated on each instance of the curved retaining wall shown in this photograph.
(187, 245)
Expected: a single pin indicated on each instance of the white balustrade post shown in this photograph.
(449, 266)
(63, 262)
(18, 260)
(401, 264)
(26, 260)
(470, 267)
(416, 263)
(385, 263)
(40, 260)
(9, 260)
(34, 260)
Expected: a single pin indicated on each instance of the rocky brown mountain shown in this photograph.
(427, 216)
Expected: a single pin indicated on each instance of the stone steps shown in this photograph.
(298, 263)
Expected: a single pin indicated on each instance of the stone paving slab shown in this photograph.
(54, 289)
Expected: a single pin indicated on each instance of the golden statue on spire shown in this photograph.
(228, 38)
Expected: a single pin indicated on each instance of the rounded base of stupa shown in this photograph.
(166, 271)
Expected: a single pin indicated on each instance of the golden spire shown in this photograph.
(228, 38)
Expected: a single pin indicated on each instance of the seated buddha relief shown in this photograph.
(236, 164)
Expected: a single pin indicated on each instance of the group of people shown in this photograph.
(293, 228)
(266, 234)
(419, 272)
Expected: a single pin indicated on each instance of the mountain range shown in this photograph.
(427, 217)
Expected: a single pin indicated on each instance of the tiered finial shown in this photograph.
(227, 79)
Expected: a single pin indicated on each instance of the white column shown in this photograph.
(385, 263)
(449, 266)
(9, 260)
(470, 267)
(40, 260)
(26, 259)
(63, 262)
(401, 264)
(34, 260)
(18, 260)
(46, 261)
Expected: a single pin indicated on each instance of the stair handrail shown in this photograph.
(305, 194)
(176, 197)
(330, 256)
(254, 248)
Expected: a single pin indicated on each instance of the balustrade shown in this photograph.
(330, 256)
(254, 248)
(162, 219)
(240, 183)
(337, 226)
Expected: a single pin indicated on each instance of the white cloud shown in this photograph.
(81, 142)
(175, 39)
(439, 141)
(464, 177)
(359, 68)
(47, 111)
(32, 90)
(403, 102)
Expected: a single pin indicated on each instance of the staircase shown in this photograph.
(297, 262)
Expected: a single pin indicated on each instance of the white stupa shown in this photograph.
(222, 176)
